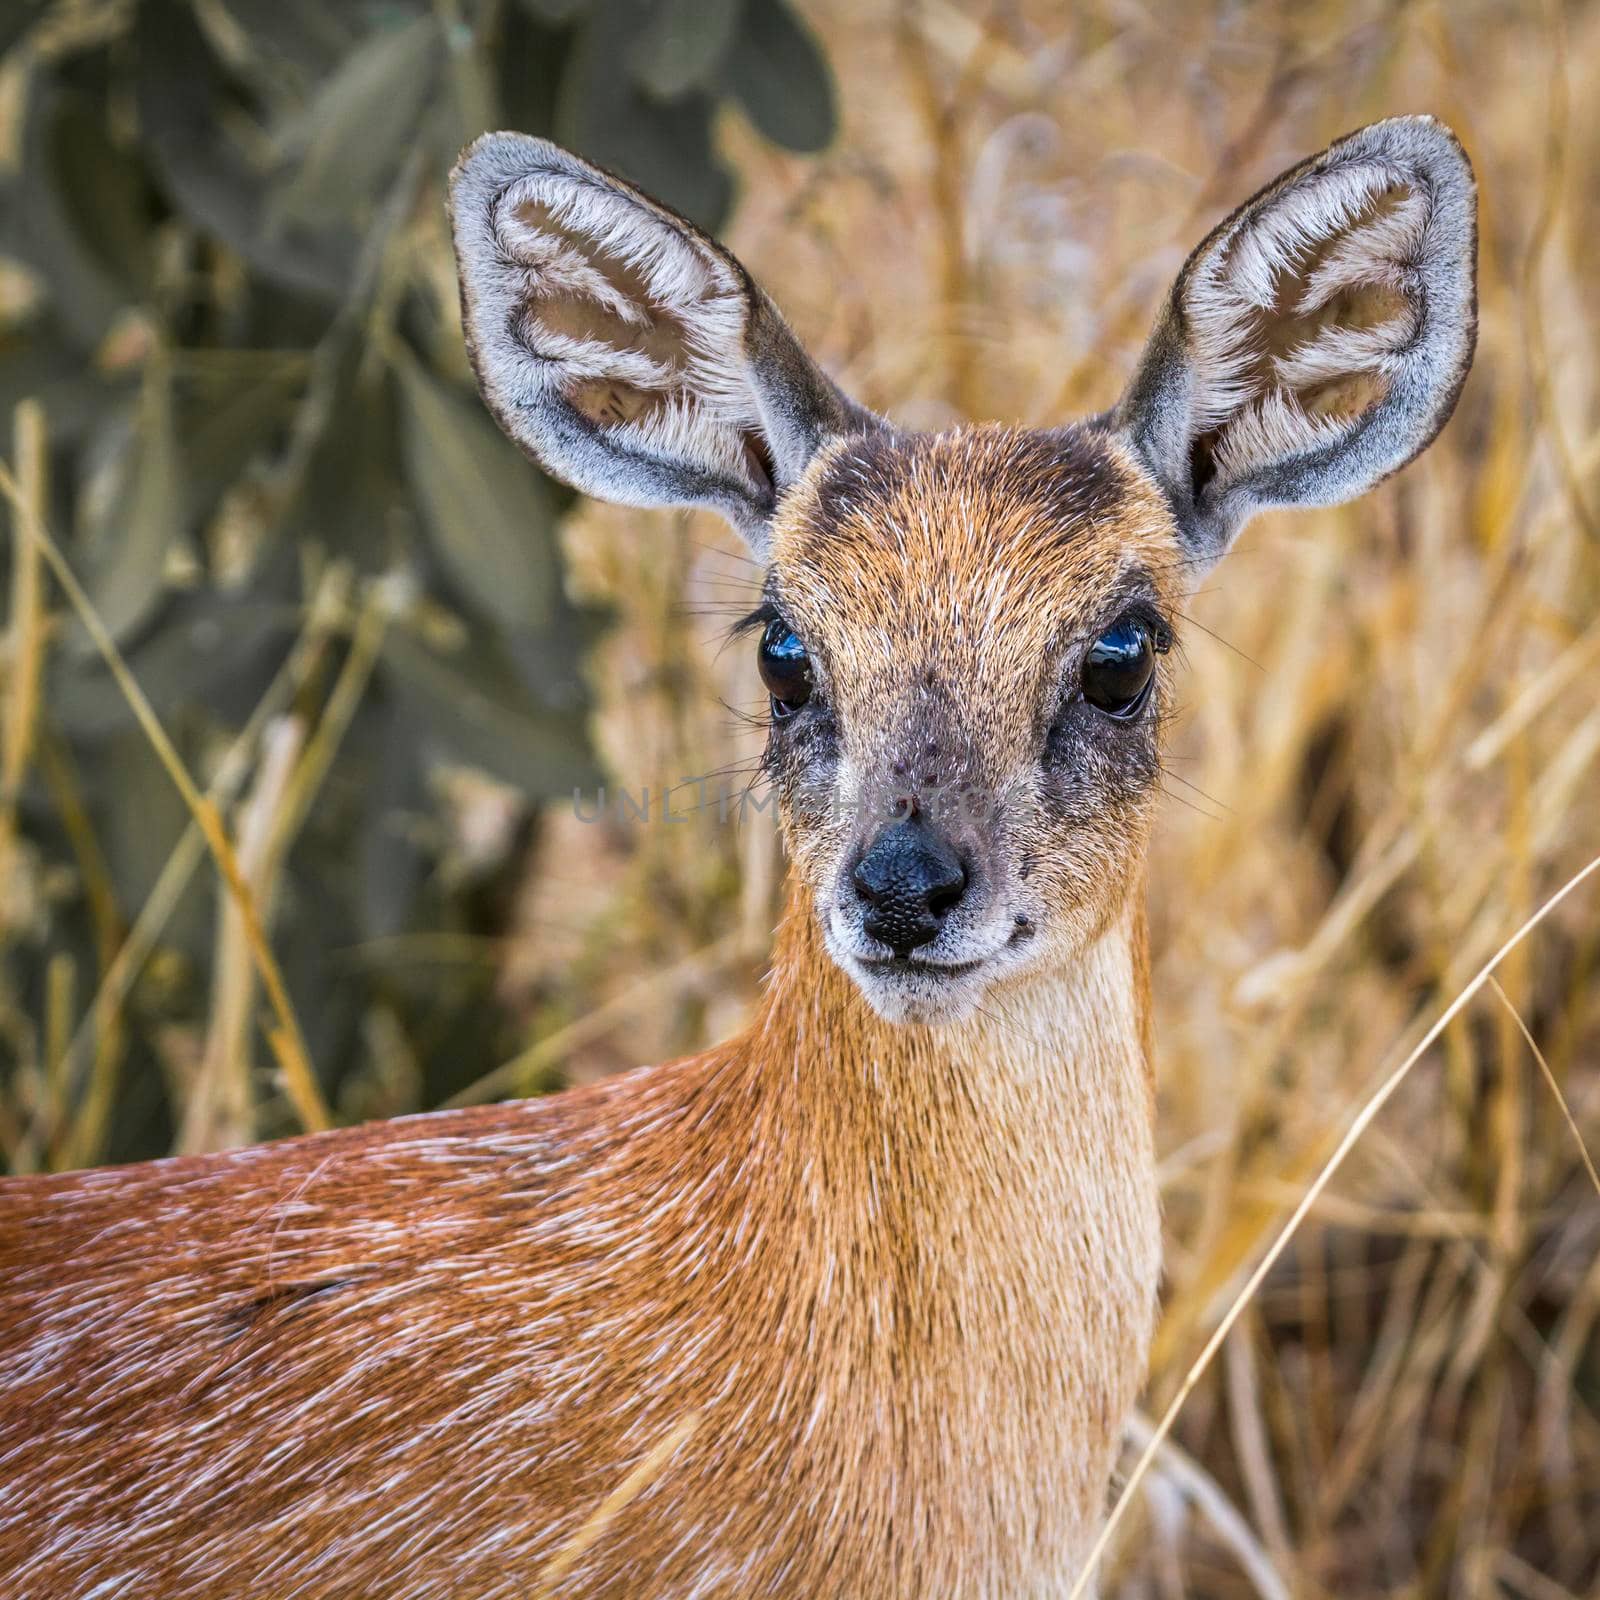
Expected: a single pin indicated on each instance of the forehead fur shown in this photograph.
(985, 544)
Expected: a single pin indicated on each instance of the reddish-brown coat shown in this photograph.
(902, 1277)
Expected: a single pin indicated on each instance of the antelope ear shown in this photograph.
(625, 351)
(1317, 340)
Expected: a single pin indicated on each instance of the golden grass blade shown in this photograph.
(1521, 1580)
(1554, 1087)
(1201, 1490)
(332, 725)
(1546, 220)
(300, 1079)
(1249, 1432)
(25, 636)
(220, 1113)
(119, 973)
(1359, 1124)
(547, 1051)
(68, 1110)
(631, 1487)
(1541, 691)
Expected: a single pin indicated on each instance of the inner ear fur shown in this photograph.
(623, 348)
(1318, 338)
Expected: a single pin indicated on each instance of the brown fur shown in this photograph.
(902, 1275)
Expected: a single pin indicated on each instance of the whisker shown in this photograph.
(1195, 787)
(1183, 800)
(723, 553)
(1227, 644)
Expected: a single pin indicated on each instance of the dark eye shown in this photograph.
(1120, 667)
(785, 668)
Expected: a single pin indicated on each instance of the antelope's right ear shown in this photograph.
(625, 351)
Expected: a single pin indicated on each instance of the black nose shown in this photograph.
(910, 880)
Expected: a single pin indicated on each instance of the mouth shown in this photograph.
(913, 988)
(910, 966)
(917, 987)
(906, 989)
(921, 967)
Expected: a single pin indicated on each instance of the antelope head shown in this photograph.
(966, 636)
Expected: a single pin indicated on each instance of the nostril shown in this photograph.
(866, 884)
(942, 897)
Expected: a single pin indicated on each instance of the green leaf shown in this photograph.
(202, 649)
(666, 148)
(529, 62)
(225, 425)
(352, 499)
(288, 42)
(188, 117)
(37, 362)
(474, 103)
(487, 508)
(777, 72)
(105, 193)
(473, 710)
(359, 505)
(78, 215)
(683, 45)
(139, 819)
(555, 10)
(17, 18)
(134, 514)
(350, 137)
(392, 865)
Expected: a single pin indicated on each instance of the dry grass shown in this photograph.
(1389, 758)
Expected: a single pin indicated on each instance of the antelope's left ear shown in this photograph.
(1317, 340)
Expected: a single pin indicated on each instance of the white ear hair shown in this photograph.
(626, 351)
(1317, 340)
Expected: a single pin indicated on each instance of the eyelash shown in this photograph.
(1142, 611)
(763, 614)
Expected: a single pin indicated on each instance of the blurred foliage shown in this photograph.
(225, 284)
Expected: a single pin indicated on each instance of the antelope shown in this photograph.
(859, 1299)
